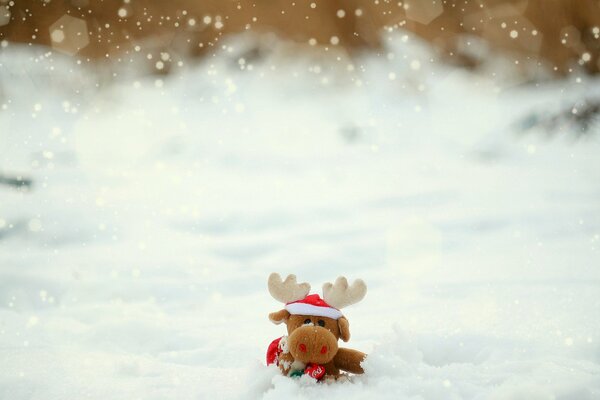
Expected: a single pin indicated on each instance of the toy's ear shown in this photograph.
(344, 326)
(279, 316)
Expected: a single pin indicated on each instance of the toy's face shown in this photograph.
(312, 339)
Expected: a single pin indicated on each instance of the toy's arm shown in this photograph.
(349, 360)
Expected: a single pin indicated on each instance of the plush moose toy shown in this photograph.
(314, 326)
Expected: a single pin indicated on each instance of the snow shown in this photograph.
(136, 266)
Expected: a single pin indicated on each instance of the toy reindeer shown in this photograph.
(314, 326)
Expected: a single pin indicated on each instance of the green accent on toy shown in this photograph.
(296, 374)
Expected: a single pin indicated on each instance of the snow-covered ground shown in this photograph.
(136, 266)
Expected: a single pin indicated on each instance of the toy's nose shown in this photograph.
(323, 349)
(302, 347)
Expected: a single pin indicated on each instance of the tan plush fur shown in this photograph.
(288, 290)
(340, 294)
(279, 316)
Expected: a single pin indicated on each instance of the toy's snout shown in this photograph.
(313, 344)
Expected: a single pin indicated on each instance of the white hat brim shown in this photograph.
(309, 309)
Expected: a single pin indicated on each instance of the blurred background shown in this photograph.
(561, 35)
(158, 159)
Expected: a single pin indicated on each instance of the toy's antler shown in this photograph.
(288, 290)
(340, 295)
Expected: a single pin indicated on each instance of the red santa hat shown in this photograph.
(313, 305)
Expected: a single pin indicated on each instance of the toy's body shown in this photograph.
(314, 327)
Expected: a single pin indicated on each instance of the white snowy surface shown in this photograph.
(136, 266)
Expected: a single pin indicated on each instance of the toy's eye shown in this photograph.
(307, 321)
(321, 322)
